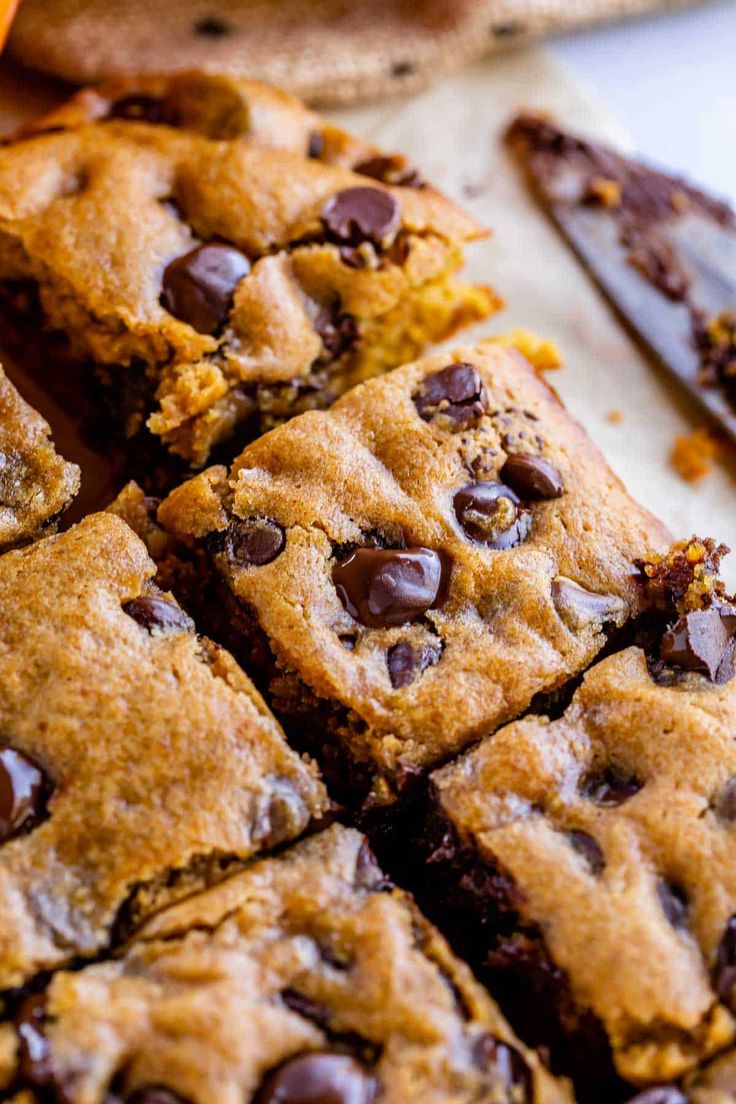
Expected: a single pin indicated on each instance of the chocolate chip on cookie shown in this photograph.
(198, 288)
(532, 477)
(320, 1078)
(384, 587)
(361, 214)
(491, 514)
(456, 394)
(23, 793)
(158, 615)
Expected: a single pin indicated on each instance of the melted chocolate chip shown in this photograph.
(394, 170)
(362, 215)
(305, 1007)
(490, 513)
(198, 288)
(368, 874)
(699, 641)
(155, 1094)
(532, 477)
(319, 1078)
(725, 804)
(578, 606)
(34, 1052)
(140, 108)
(659, 1094)
(674, 904)
(586, 846)
(610, 788)
(406, 661)
(23, 794)
(724, 972)
(339, 332)
(251, 542)
(456, 394)
(506, 1065)
(315, 145)
(212, 26)
(158, 615)
(384, 587)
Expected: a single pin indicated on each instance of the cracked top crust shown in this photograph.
(616, 825)
(35, 482)
(309, 952)
(98, 199)
(135, 759)
(499, 593)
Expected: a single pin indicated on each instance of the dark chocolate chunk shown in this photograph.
(491, 514)
(34, 1052)
(358, 215)
(368, 874)
(252, 542)
(610, 788)
(198, 288)
(406, 661)
(319, 1078)
(156, 614)
(725, 804)
(586, 846)
(315, 145)
(505, 1064)
(384, 587)
(532, 477)
(724, 972)
(456, 393)
(339, 332)
(155, 1094)
(23, 794)
(659, 1094)
(577, 606)
(699, 641)
(674, 904)
(140, 108)
(282, 816)
(394, 170)
(212, 26)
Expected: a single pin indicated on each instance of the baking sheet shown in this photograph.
(452, 131)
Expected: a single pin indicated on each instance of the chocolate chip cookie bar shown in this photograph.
(225, 258)
(305, 978)
(35, 482)
(136, 761)
(409, 569)
(586, 863)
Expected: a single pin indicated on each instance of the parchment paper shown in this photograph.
(452, 131)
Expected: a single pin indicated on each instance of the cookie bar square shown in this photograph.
(306, 977)
(36, 484)
(224, 257)
(589, 860)
(412, 567)
(136, 760)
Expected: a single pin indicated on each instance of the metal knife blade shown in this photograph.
(662, 251)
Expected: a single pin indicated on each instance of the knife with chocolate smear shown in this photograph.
(662, 251)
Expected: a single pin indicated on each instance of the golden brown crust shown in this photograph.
(638, 936)
(160, 758)
(94, 211)
(35, 482)
(288, 957)
(372, 466)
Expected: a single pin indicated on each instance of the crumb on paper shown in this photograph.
(542, 354)
(615, 417)
(604, 191)
(693, 454)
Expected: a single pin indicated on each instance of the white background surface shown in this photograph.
(672, 82)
